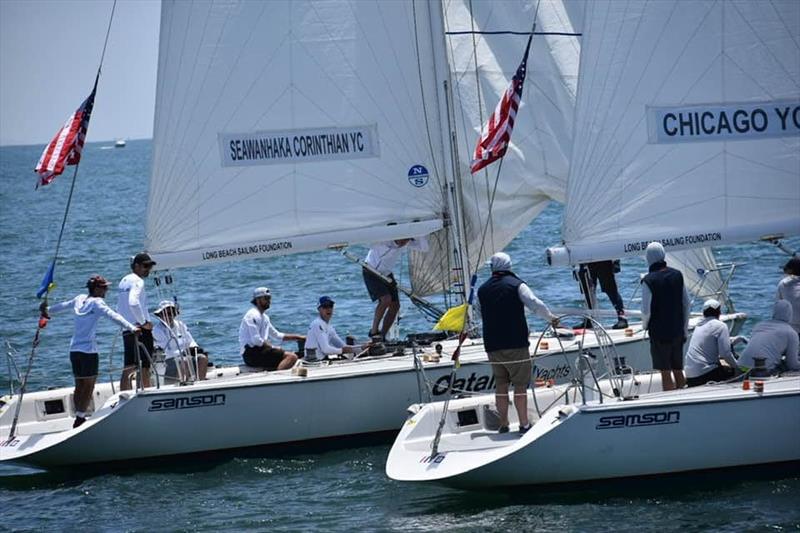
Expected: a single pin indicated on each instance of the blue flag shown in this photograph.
(47, 280)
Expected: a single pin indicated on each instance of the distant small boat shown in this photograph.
(120, 143)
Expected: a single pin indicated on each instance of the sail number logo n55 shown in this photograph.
(723, 122)
(298, 146)
(418, 176)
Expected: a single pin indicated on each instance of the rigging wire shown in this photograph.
(42, 320)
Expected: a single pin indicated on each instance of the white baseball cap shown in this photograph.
(500, 261)
(260, 291)
(711, 303)
(163, 304)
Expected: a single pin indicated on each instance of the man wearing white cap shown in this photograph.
(503, 299)
(710, 344)
(256, 331)
(665, 314)
(172, 336)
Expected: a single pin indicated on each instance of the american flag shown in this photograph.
(497, 134)
(65, 148)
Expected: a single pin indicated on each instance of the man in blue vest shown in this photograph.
(503, 299)
(665, 314)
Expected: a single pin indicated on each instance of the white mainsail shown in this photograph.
(293, 125)
(687, 127)
(535, 169)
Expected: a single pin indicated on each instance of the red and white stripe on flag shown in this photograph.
(497, 134)
(65, 148)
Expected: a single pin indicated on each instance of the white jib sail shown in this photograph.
(293, 125)
(536, 165)
(687, 127)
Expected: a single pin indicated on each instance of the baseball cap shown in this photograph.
(163, 304)
(654, 252)
(97, 281)
(500, 261)
(325, 301)
(711, 303)
(259, 292)
(142, 258)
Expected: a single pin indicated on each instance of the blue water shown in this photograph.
(305, 488)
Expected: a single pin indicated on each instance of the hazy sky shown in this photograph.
(49, 53)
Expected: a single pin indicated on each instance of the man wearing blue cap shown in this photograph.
(255, 333)
(322, 339)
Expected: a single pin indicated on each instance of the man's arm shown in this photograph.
(134, 302)
(56, 308)
(114, 316)
(687, 312)
(647, 298)
(792, 355)
(724, 346)
(535, 305)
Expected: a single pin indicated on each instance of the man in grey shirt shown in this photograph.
(773, 339)
(789, 290)
(709, 344)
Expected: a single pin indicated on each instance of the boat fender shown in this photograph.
(414, 409)
(566, 411)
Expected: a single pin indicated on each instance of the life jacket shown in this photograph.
(503, 313)
(666, 306)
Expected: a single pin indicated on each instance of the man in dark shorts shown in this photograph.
(256, 331)
(132, 305)
(383, 257)
(665, 314)
(83, 346)
(589, 274)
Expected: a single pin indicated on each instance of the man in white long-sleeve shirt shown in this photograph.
(383, 257)
(256, 331)
(789, 290)
(503, 299)
(132, 304)
(322, 339)
(173, 337)
(83, 347)
(710, 344)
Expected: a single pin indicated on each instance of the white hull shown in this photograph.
(233, 409)
(710, 427)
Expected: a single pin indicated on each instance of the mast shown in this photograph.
(453, 189)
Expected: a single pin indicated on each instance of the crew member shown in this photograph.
(789, 290)
(503, 299)
(255, 332)
(172, 336)
(603, 271)
(383, 257)
(773, 340)
(83, 347)
(322, 339)
(709, 346)
(132, 305)
(665, 313)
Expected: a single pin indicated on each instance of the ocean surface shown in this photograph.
(301, 488)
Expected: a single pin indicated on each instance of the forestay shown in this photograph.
(534, 170)
(288, 126)
(687, 127)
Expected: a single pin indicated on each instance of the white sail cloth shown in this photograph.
(294, 125)
(535, 168)
(684, 129)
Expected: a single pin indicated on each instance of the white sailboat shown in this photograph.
(637, 177)
(295, 126)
